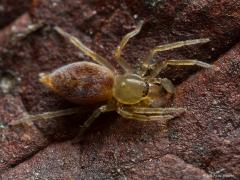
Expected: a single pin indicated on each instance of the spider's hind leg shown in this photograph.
(47, 115)
(75, 41)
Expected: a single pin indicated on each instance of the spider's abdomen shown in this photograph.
(81, 82)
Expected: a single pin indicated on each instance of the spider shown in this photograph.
(132, 94)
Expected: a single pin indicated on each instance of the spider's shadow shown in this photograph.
(111, 126)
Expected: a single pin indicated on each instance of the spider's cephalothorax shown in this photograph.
(130, 89)
(100, 82)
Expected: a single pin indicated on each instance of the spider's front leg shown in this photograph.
(174, 62)
(147, 61)
(150, 114)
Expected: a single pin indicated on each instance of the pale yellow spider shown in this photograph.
(131, 94)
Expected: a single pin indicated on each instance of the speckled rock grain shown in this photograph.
(203, 143)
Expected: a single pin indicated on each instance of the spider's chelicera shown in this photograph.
(132, 94)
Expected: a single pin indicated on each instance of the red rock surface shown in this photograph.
(203, 143)
(11, 9)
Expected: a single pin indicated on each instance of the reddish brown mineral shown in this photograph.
(204, 143)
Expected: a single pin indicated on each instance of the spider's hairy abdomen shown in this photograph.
(81, 82)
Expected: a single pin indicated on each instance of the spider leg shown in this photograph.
(145, 116)
(48, 115)
(91, 119)
(156, 111)
(96, 57)
(125, 39)
(140, 117)
(166, 47)
(174, 62)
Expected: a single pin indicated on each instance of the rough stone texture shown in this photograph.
(19, 144)
(17, 30)
(11, 9)
(58, 163)
(206, 138)
(211, 127)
